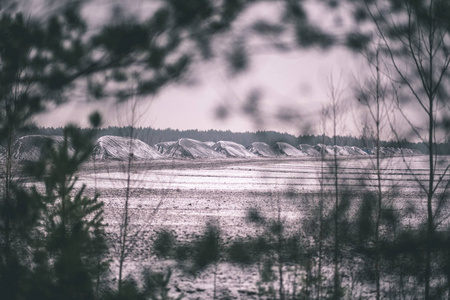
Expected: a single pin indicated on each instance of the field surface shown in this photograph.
(183, 195)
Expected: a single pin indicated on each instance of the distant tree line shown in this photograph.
(153, 136)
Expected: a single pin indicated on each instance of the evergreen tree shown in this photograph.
(72, 248)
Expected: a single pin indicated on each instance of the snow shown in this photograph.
(232, 149)
(262, 149)
(118, 148)
(289, 150)
(30, 147)
(192, 149)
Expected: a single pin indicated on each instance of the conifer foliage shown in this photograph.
(74, 247)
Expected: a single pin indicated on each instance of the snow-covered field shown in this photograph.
(184, 194)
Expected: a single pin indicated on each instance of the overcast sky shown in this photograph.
(296, 81)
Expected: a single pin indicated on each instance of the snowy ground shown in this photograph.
(184, 194)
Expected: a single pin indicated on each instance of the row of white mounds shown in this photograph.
(121, 148)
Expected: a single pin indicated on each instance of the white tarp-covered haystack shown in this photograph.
(232, 149)
(395, 151)
(288, 149)
(209, 143)
(352, 150)
(31, 147)
(340, 150)
(308, 150)
(324, 149)
(2, 153)
(120, 148)
(192, 149)
(262, 149)
(163, 146)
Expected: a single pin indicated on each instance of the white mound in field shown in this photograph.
(232, 149)
(209, 143)
(415, 151)
(330, 150)
(340, 150)
(352, 150)
(326, 150)
(308, 150)
(30, 147)
(262, 149)
(192, 149)
(288, 150)
(2, 153)
(395, 151)
(387, 150)
(119, 148)
(163, 146)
